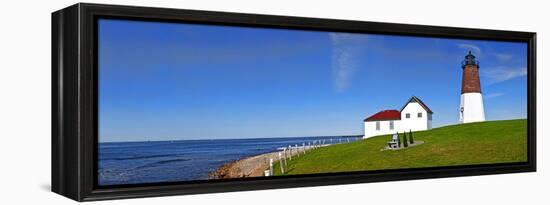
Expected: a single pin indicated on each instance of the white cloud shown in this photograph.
(502, 57)
(499, 74)
(346, 48)
(473, 48)
(493, 95)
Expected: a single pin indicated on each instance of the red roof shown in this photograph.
(385, 115)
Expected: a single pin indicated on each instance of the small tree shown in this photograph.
(411, 140)
(398, 140)
(405, 139)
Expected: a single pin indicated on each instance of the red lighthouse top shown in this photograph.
(470, 74)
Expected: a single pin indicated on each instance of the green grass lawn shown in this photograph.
(464, 144)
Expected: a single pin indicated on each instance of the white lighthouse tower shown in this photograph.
(471, 100)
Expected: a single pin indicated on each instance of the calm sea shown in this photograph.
(186, 160)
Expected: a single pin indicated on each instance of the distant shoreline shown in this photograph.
(252, 138)
(353, 135)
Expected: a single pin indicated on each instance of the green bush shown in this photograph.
(398, 140)
(405, 144)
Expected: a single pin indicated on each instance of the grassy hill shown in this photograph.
(464, 144)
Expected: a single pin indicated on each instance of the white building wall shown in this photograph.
(471, 105)
(430, 120)
(414, 122)
(370, 128)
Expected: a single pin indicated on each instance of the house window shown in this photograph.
(419, 115)
(408, 115)
(377, 126)
(391, 124)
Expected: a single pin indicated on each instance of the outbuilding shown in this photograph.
(413, 116)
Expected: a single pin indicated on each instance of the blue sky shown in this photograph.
(168, 81)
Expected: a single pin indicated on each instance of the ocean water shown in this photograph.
(185, 160)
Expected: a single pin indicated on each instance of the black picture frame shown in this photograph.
(74, 101)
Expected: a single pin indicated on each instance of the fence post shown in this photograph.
(270, 167)
(290, 152)
(282, 164)
(285, 155)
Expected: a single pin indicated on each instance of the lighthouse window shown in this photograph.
(391, 124)
(419, 115)
(377, 126)
(408, 115)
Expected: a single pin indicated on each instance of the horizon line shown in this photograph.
(232, 138)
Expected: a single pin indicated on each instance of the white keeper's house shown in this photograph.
(413, 116)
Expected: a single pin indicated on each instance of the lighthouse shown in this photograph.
(471, 100)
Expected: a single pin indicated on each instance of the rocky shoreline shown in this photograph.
(247, 167)
(253, 166)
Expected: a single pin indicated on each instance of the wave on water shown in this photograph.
(162, 162)
(140, 157)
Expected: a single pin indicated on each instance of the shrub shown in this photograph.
(405, 144)
(398, 140)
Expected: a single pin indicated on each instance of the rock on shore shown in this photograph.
(247, 167)
(250, 166)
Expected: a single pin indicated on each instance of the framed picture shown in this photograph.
(154, 102)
